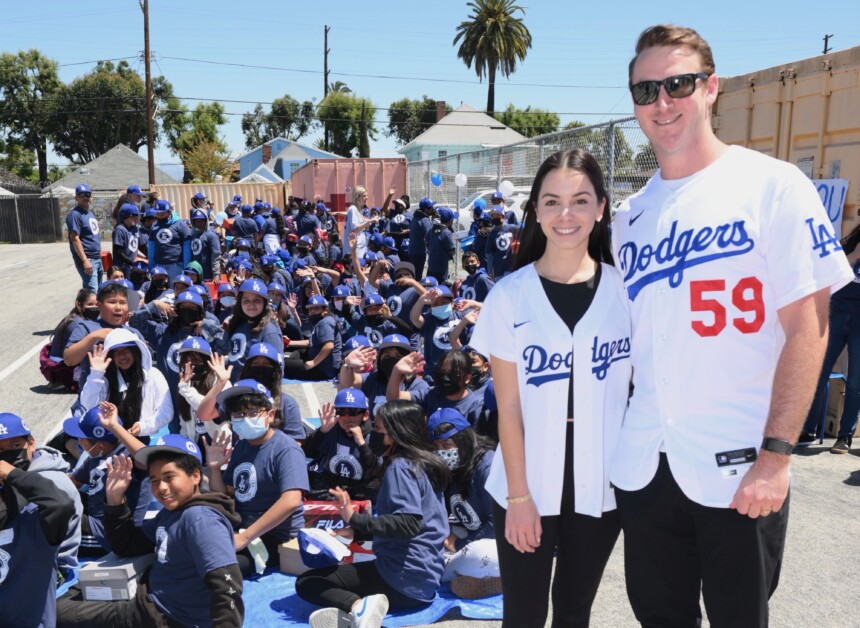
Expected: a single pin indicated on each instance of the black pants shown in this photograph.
(674, 547)
(246, 562)
(74, 612)
(584, 544)
(294, 368)
(342, 586)
(418, 261)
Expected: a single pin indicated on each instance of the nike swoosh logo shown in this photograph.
(636, 217)
(518, 324)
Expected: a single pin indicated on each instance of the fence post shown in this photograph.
(541, 151)
(455, 183)
(429, 183)
(499, 170)
(18, 221)
(610, 166)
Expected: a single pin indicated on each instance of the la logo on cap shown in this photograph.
(195, 344)
(256, 287)
(350, 397)
(3, 429)
(263, 350)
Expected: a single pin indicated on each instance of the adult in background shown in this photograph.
(418, 229)
(169, 241)
(558, 416)
(357, 223)
(85, 239)
(729, 332)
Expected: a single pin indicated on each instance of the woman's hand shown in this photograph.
(219, 451)
(186, 374)
(118, 478)
(217, 364)
(362, 359)
(99, 359)
(293, 300)
(522, 526)
(327, 418)
(343, 501)
(108, 416)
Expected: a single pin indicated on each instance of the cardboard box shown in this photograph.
(291, 559)
(112, 577)
(326, 515)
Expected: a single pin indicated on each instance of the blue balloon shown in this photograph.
(436, 179)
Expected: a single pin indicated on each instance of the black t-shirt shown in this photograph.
(571, 302)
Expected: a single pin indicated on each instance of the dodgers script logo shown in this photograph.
(538, 361)
(394, 304)
(465, 513)
(679, 251)
(603, 354)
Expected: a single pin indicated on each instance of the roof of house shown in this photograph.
(262, 174)
(114, 170)
(465, 126)
(15, 184)
(297, 151)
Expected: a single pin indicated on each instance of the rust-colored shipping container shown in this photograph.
(334, 180)
(805, 112)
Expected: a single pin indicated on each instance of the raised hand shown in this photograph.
(217, 363)
(118, 478)
(343, 501)
(327, 418)
(99, 359)
(108, 416)
(186, 373)
(360, 359)
(219, 451)
(410, 364)
(429, 297)
(471, 316)
(293, 300)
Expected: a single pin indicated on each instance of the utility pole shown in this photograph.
(326, 50)
(150, 131)
(826, 41)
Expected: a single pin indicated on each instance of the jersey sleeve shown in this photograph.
(802, 252)
(493, 334)
(211, 541)
(74, 222)
(400, 489)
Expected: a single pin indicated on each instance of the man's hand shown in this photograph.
(765, 486)
(118, 478)
(88, 267)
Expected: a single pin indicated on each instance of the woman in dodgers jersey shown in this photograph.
(557, 331)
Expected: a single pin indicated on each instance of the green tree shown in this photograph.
(528, 121)
(19, 160)
(408, 118)
(106, 107)
(339, 87)
(287, 118)
(201, 124)
(349, 123)
(205, 159)
(494, 40)
(28, 83)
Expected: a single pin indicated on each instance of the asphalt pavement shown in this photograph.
(819, 585)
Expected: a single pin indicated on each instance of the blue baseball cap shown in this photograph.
(237, 199)
(158, 270)
(375, 238)
(263, 349)
(245, 387)
(316, 301)
(485, 216)
(284, 254)
(389, 242)
(195, 344)
(200, 196)
(246, 209)
(445, 291)
(445, 215)
(356, 342)
(226, 288)
(350, 398)
(256, 286)
(190, 296)
(172, 443)
(321, 206)
(198, 214)
(88, 425)
(429, 282)
(365, 212)
(128, 209)
(306, 239)
(276, 287)
(203, 291)
(340, 291)
(133, 189)
(242, 242)
(81, 188)
(150, 212)
(161, 206)
(140, 265)
(446, 415)
(480, 204)
(299, 263)
(267, 260)
(276, 211)
(425, 203)
(259, 206)
(183, 279)
(319, 549)
(395, 340)
(498, 196)
(12, 426)
(373, 299)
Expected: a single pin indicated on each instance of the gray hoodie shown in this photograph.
(48, 462)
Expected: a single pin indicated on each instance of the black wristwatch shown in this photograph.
(777, 445)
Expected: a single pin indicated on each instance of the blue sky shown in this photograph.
(576, 66)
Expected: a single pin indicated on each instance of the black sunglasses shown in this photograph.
(349, 411)
(678, 86)
(85, 194)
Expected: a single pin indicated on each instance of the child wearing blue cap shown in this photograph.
(323, 347)
(434, 316)
(194, 579)
(205, 246)
(408, 531)
(169, 241)
(266, 473)
(34, 521)
(339, 451)
(440, 245)
(500, 240)
(471, 561)
(197, 378)
(374, 321)
(418, 230)
(125, 238)
(96, 432)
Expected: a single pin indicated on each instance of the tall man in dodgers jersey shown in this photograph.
(728, 260)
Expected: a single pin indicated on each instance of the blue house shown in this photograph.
(278, 159)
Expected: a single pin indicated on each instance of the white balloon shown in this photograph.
(460, 180)
(506, 187)
(220, 217)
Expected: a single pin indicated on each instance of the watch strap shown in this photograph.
(777, 445)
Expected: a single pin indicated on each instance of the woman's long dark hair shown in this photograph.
(239, 316)
(407, 426)
(472, 447)
(129, 405)
(77, 312)
(458, 364)
(532, 241)
(850, 242)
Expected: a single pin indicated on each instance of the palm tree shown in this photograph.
(339, 87)
(494, 40)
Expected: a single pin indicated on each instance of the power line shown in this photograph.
(63, 65)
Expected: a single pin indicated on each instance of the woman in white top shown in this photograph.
(557, 331)
(357, 223)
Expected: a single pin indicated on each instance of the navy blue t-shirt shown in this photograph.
(205, 248)
(475, 510)
(307, 224)
(411, 566)
(476, 287)
(440, 247)
(417, 233)
(374, 389)
(323, 332)
(432, 399)
(374, 333)
(85, 224)
(125, 246)
(498, 249)
(339, 455)
(261, 474)
(436, 333)
(241, 339)
(189, 543)
(243, 228)
(166, 241)
(292, 417)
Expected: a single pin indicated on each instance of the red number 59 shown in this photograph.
(746, 298)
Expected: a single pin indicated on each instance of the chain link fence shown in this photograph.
(620, 147)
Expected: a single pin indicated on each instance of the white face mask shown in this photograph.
(250, 427)
(228, 301)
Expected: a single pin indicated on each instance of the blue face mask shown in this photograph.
(251, 427)
(442, 312)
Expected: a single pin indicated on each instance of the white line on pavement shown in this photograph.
(20, 361)
(311, 396)
(12, 264)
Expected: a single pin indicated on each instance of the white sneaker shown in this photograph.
(370, 612)
(330, 618)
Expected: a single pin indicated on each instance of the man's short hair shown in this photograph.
(109, 290)
(671, 35)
